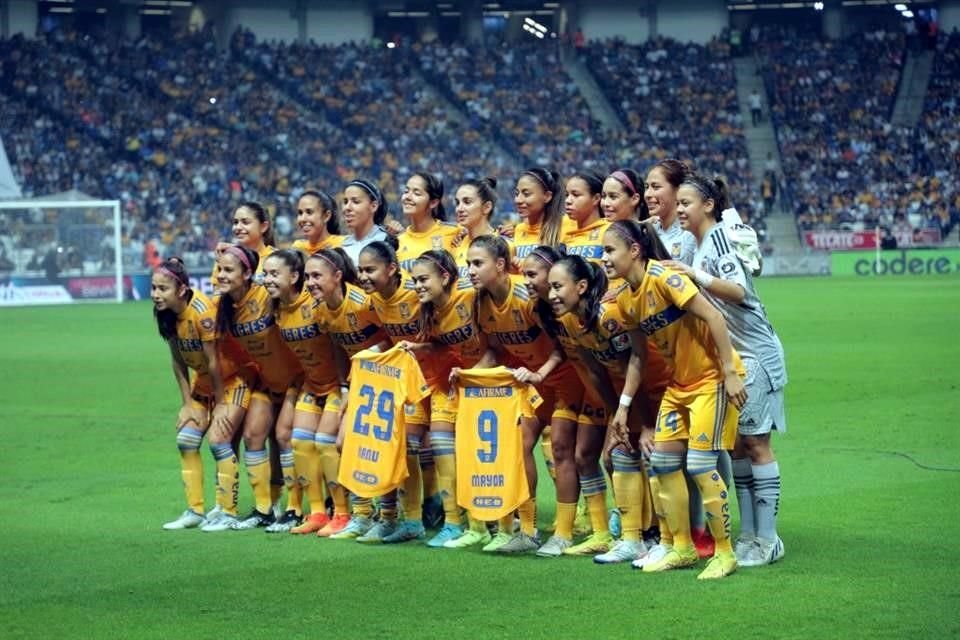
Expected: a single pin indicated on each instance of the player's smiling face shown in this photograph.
(247, 228)
(471, 210)
(358, 208)
(374, 274)
(311, 219)
(481, 267)
(320, 279)
(580, 204)
(536, 276)
(617, 254)
(428, 282)
(565, 292)
(616, 203)
(530, 198)
(165, 292)
(692, 208)
(232, 278)
(659, 193)
(416, 202)
(278, 278)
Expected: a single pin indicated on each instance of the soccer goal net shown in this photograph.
(56, 252)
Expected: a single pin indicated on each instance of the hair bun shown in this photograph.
(490, 181)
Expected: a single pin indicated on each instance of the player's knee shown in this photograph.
(700, 462)
(189, 439)
(756, 447)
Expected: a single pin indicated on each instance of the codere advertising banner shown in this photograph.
(902, 262)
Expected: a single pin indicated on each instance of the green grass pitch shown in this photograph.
(89, 472)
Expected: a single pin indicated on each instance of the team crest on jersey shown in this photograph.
(621, 342)
(306, 312)
(207, 323)
(517, 318)
(404, 310)
(352, 321)
(611, 325)
(462, 312)
(675, 250)
(253, 307)
(437, 243)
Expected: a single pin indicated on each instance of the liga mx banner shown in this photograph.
(856, 240)
(903, 262)
(39, 290)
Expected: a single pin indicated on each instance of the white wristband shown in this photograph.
(703, 278)
(625, 400)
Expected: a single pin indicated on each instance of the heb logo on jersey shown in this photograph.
(487, 502)
(365, 478)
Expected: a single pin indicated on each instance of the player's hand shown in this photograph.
(683, 268)
(454, 376)
(646, 442)
(412, 347)
(506, 229)
(188, 414)
(459, 238)
(220, 425)
(736, 391)
(393, 227)
(618, 433)
(526, 376)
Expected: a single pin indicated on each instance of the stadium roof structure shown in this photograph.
(9, 189)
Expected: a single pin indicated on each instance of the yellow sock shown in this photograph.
(428, 467)
(191, 467)
(228, 477)
(674, 498)
(716, 505)
(258, 471)
(528, 517)
(330, 465)
(443, 454)
(647, 516)
(294, 493)
(665, 536)
(628, 488)
(594, 490)
(411, 492)
(306, 462)
(362, 507)
(341, 501)
(566, 514)
(546, 446)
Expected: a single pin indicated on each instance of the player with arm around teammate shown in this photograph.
(217, 398)
(722, 278)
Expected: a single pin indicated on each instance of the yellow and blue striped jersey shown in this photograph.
(312, 346)
(353, 325)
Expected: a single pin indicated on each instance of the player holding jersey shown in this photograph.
(318, 221)
(722, 278)
(694, 418)
(217, 398)
(346, 313)
(313, 430)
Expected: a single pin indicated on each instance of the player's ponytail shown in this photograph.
(580, 269)
(174, 269)
(444, 266)
(548, 256)
(249, 261)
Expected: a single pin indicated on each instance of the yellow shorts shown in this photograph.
(592, 411)
(312, 402)
(443, 405)
(236, 391)
(262, 394)
(700, 415)
(562, 394)
(418, 413)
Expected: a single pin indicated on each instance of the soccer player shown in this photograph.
(313, 430)
(216, 400)
(507, 315)
(318, 221)
(475, 201)
(347, 314)
(723, 280)
(538, 197)
(397, 308)
(253, 229)
(244, 310)
(621, 198)
(422, 204)
(364, 212)
(449, 337)
(582, 206)
(694, 419)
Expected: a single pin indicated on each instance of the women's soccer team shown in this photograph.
(627, 302)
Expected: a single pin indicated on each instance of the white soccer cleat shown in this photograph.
(763, 552)
(743, 546)
(653, 554)
(622, 551)
(187, 520)
(554, 547)
(220, 522)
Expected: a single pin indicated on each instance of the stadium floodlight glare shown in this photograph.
(61, 9)
(391, 45)
(818, 6)
(900, 7)
(907, 14)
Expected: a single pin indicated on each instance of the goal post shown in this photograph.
(61, 251)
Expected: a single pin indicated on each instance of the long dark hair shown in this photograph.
(444, 265)
(384, 253)
(715, 189)
(263, 217)
(580, 269)
(674, 170)
(375, 194)
(339, 260)
(167, 319)
(225, 310)
(549, 257)
(295, 262)
(553, 213)
(643, 234)
(434, 192)
(327, 203)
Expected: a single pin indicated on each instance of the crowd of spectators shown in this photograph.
(846, 165)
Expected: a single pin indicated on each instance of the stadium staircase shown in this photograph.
(913, 88)
(762, 141)
(600, 107)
